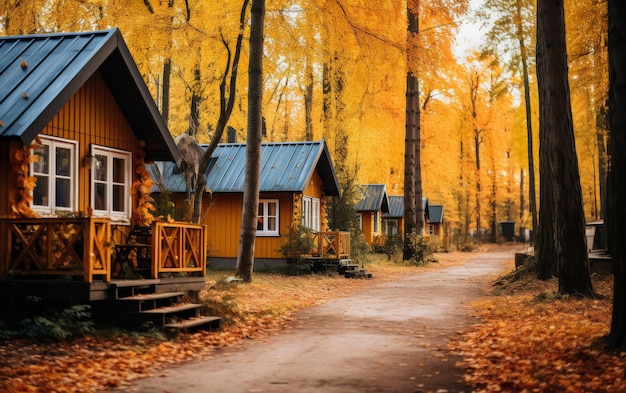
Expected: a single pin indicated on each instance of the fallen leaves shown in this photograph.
(531, 340)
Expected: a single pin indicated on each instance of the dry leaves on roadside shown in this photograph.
(530, 339)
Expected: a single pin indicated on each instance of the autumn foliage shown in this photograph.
(531, 339)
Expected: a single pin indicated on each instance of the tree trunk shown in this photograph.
(558, 153)
(616, 214)
(412, 106)
(226, 108)
(165, 90)
(245, 257)
(532, 197)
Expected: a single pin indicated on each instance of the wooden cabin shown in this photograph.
(370, 210)
(393, 221)
(77, 125)
(435, 221)
(297, 178)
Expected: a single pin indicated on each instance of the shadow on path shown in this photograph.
(390, 337)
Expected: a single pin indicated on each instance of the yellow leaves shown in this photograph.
(23, 64)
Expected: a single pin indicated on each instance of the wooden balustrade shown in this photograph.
(331, 244)
(178, 247)
(56, 246)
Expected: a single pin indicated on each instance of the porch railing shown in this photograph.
(56, 246)
(178, 247)
(331, 245)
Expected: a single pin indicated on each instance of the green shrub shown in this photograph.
(74, 321)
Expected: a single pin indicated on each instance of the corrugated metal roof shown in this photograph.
(374, 198)
(285, 167)
(40, 73)
(396, 207)
(436, 214)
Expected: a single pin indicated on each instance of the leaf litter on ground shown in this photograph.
(531, 339)
(527, 339)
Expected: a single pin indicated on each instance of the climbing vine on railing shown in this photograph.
(20, 165)
(142, 186)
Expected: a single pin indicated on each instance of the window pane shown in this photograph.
(100, 168)
(63, 162)
(271, 208)
(63, 192)
(40, 193)
(42, 165)
(261, 211)
(271, 224)
(100, 196)
(118, 170)
(118, 198)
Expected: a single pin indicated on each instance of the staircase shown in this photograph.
(351, 270)
(138, 303)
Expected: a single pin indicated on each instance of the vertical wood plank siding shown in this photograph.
(92, 116)
(223, 220)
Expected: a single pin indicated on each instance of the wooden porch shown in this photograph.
(330, 245)
(82, 254)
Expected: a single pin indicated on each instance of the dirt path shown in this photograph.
(390, 337)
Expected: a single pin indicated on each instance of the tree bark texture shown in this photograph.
(558, 160)
(247, 239)
(616, 216)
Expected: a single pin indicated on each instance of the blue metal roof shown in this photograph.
(40, 73)
(374, 198)
(396, 207)
(436, 214)
(285, 167)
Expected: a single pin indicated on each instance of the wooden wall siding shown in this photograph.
(368, 226)
(223, 220)
(314, 188)
(8, 178)
(92, 116)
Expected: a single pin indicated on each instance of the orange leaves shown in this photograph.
(529, 342)
(20, 165)
(143, 187)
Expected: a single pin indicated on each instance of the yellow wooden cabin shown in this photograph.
(297, 178)
(77, 125)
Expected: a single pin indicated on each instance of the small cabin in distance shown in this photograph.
(297, 178)
(370, 209)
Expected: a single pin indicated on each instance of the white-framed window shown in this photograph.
(359, 218)
(390, 226)
(311, 213)
(57, 176)
(111, 179)
(267, 222)
(431, 229)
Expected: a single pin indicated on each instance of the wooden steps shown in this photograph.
(137, 303)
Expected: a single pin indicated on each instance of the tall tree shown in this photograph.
(511, 32)
(562, 200)
(245, 257)
(410, 141)
(228, 92)
(616, 217)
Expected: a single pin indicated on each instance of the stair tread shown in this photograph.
(135, 283)
(191, 322)
(151, 296)
(172, 309)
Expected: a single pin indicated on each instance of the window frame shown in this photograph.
(311, 213)
(122, 217)
(265, 218)
(54, 143)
